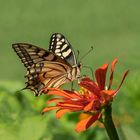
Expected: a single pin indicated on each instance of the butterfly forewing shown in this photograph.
(62, 48)
(31, 55)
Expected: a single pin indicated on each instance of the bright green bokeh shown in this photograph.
(112, 27)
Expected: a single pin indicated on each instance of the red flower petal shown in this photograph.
(54, 100)
(125, 74)
(49, 108)
(107, 96)
(70, 106)
(86, 123)
(108, 92)
(61, 112)
(112, 93)
(90, 85)
(59, 92)
(89, 106)
(112, 71)
(100, 75)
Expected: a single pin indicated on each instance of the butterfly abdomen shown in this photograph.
(74, 73)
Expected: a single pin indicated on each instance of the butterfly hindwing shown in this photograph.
(62, 48)
(50, 75)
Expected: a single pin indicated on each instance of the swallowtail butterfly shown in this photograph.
(48, 69)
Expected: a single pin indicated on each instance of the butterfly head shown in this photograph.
(79, 65)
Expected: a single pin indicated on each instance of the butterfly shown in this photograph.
(48, 69)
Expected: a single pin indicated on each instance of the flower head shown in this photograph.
(91, 101)
(99, 88)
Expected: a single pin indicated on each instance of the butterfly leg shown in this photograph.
(72, 85)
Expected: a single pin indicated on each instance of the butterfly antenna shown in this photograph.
(91, 49)
(78, 53)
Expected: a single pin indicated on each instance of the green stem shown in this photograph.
(109, 125)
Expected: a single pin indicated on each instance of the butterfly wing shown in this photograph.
(44, 69)
(62, 48)
(50, 75)
(31, 54)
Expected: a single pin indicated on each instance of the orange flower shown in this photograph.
(92, 100)
(99, 89)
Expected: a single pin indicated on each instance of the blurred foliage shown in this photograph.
(112, 27)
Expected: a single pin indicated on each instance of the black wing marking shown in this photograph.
(62, 48)
(31, 54)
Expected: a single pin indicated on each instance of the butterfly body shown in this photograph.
(47, 69)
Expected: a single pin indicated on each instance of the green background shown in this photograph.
(112, 27)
